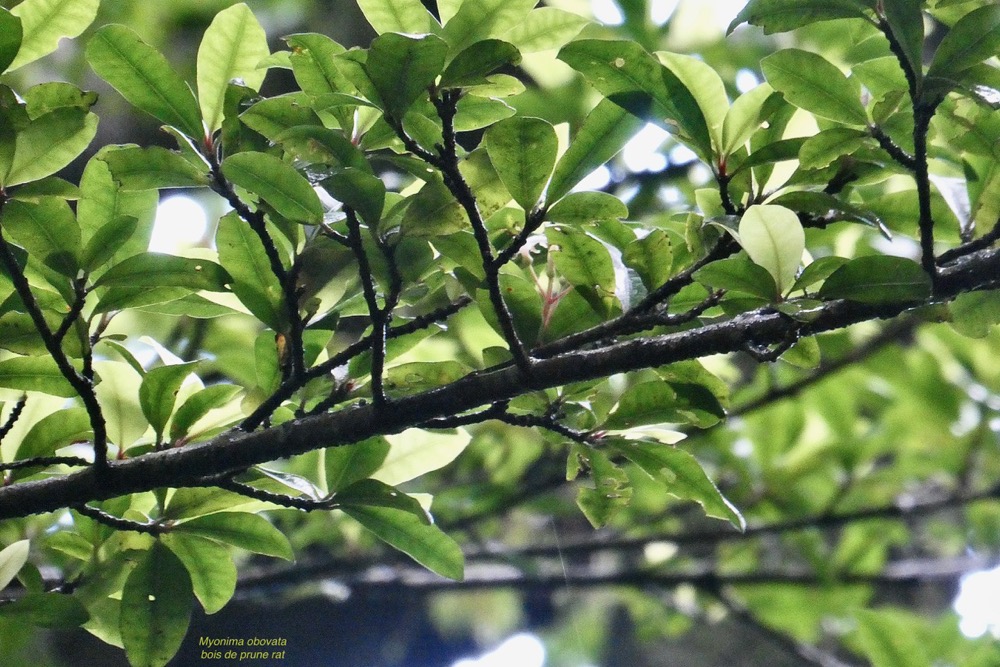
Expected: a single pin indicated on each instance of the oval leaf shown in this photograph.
(773, 238)
(811, 82)
(277, 183)
(156, 608)
(241, 529)
(523, 151)
(45, 22)
(878, 279)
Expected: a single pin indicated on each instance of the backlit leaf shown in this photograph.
(156, 608)
(45, 22)
(773, 238)
(275, 182)
(811, 82)
(523, 151)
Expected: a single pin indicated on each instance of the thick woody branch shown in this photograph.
(236, 451)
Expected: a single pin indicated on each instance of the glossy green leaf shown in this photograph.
(11, 34)
(319, 145)
(523, 151)
(272, 117)
(878, 279)
(275, 182)
(545, 28)
(773, 238)
(158, 393)
(232, 48)
(156, 608)
(39, 374)
(45, 22)
(12, 559)
(242, 255)
(811, 82)
(472, 65)
(651, 257)
(634, 79)
(906, 23)
(705, 85)
(415, 452)
(642, 404)
(359, 190)
(152, 269)
(603, 134)
(739, 274)
(475, 112)
(432, 212)
(585, 263)
(210, 566)
(584, 207)
(405, 16)
(476, 21)
(425, 543)
(783, 15)
(54, 431)
(103, 203)
(820, 150)
(972, 40)
(611, 491)
(191, 502)
(47, 230)
(49, 143)
(823, 204)
(241, 529)
(144, 77)
(744, 117)
(153, 168)
(403, 67)
(352, 463)
(198, 405)
(373, 493)
(681, 475)
(821, 269)
(106, 241)
(45, 610)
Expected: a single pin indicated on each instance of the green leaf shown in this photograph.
(739, 274)
(12, 559)
(745, 117)
(821, 269)
(523, 151)
(242, 255)
(359, 190)
(471, 66)
(682, 476)
(158, 393)
(46, 610)
(106, 241)
(47, 97)
(47, 230)
(624, 72)
(232, 48)
(476, 21)
(584, 207)
(651, 257)
(153, 168)
(888, 639)
(144, 77)
(585, 263)
(707, 88)
(425, 543)
(403, 67)
(820, 150)
(54, 431)
(51, 186)
(49, 143)
(784, 15)
(878, 279)
(272, 117)
(152, 269)
(118, 393)
(973, 39)
(475, 113)
(191, 502)
(813, 83)
(348, 464)
(416, 452)
(320, 145)
(103, 203)
(10, 38)
(604, 132)
(210, 566)
(824, 204)
(45, 22)
(417, 376)
(612, 490)
(545, 28)
(773, 238)
(39, 374)
(433, 212)
(156, 608)
(275, 182)
(198, 405)
(373, 493)
(975, 314)
(906, 22)
(241, 529)
(407, 16)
